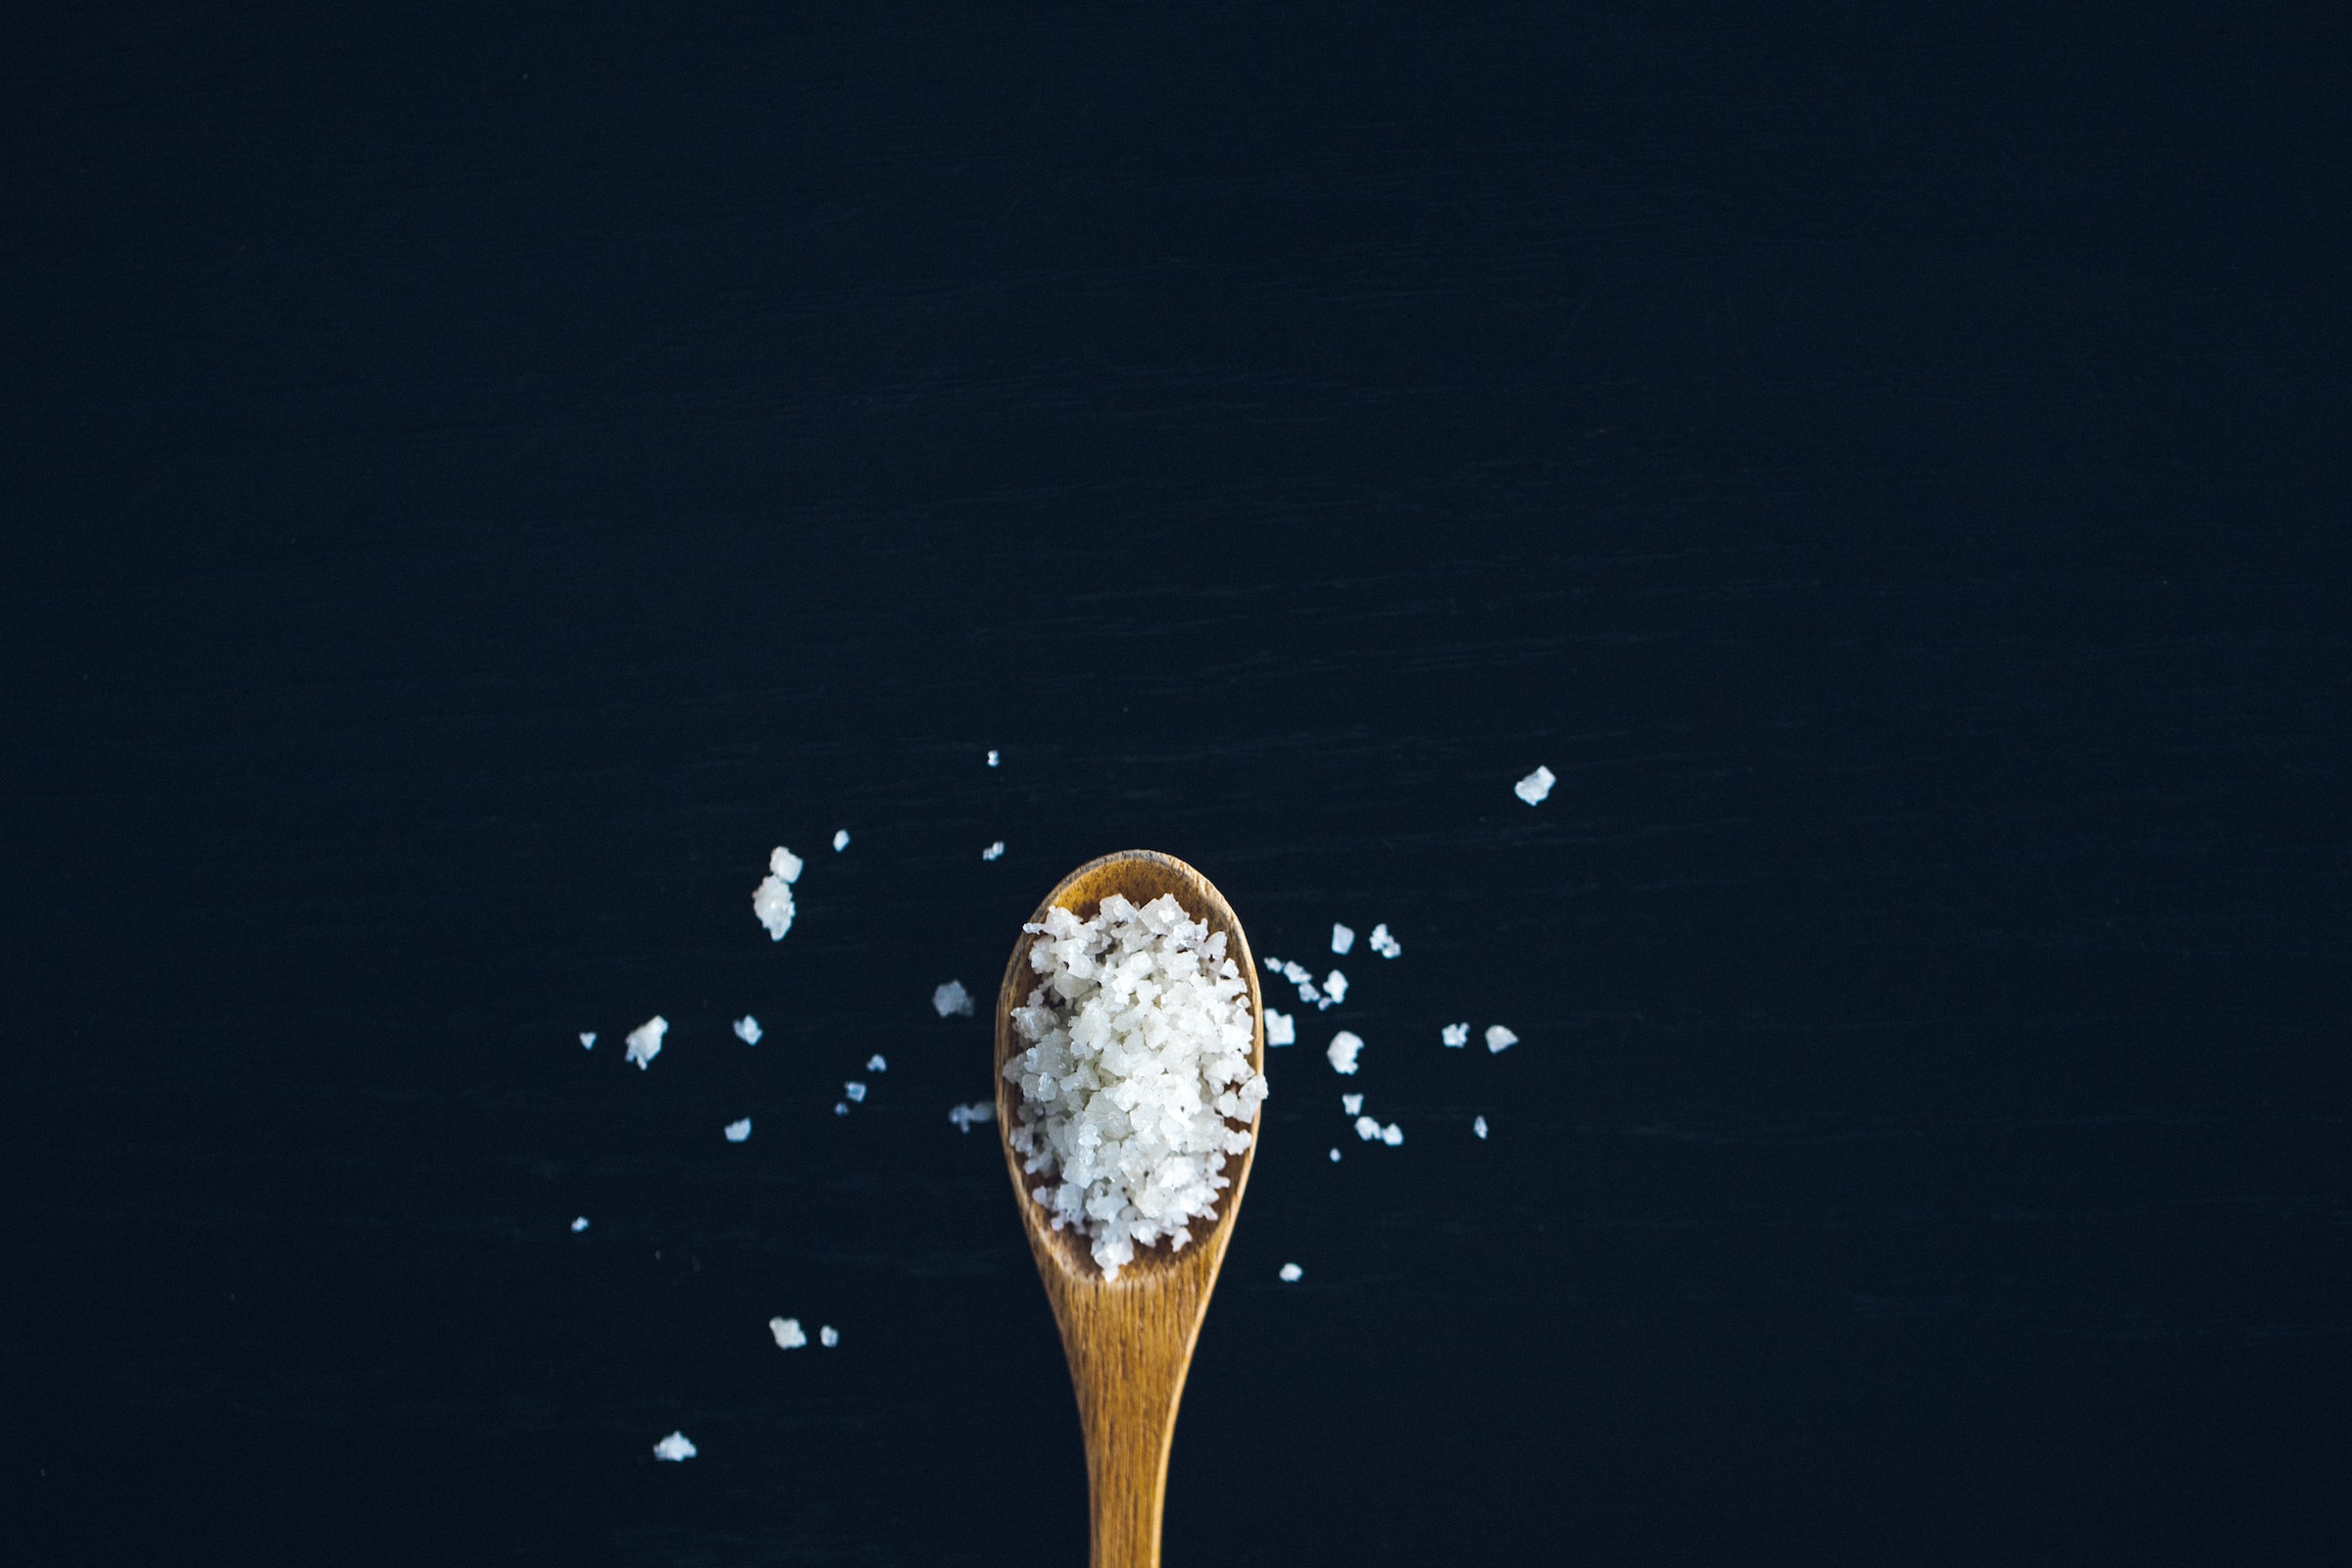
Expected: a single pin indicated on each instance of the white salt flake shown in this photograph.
(1334, 989)
(1479, 1126)
(994, 852)
(1280, 1030)
(952, 1000)
(1135, 1073)
(855, 1091)
(588, 1039)
(738, 1131)
(645, 1041)
(747, 1029)
(1352, 1105)
(992, 759)
(977, 1114)
(1335, 1156)
(828, 1336)
(1499, 1039)
(674, 1446)
(579, 1225)
(1456, 1035)
(1392, 1135)
(1366, 1128)
(787, 1331)
(771, 900)
(840, 839)
(1341, 936)
(1533, 788)
(1290, 1274)
(841, 1108)
(1342, 1051)
(1275, 965)
(875, 1064)
(1387, 945)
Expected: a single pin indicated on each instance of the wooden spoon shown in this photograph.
(1129, 1340)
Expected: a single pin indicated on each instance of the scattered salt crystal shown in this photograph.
(1352, 1105)
(994, 852)
(855, 1091)
(588, 1039)
(1136, 1070)
(1342, 1051)
(875, 1064)
(1366, 1128)
(738, 1131)
(992, 759)
(1533, 788)
(1341, 936)
(1275, 965)
(1387, 945)
(1456, 1035)
(579, 1225)
(1334, 988)
(747, 1029)
(645, 1041)
(840, 839)
(771, 901)
(1280, 1030)
(1499, 1039)
(1335, 1156)
(1295, 974)
(1392, 1135)
(1292, 1274)
(787, 1331)
(840, 1108)
(674, 1446)
(1479, 1126)
(828, 1336)
(967, 1118)
(952, 1000)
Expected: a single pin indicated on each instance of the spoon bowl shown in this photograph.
(1129, 1340)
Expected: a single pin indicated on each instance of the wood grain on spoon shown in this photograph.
(1129, 1340)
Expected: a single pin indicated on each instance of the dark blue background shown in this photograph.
(477, 482)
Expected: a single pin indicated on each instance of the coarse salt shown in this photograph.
(840, 839)
(676, 1446)
(771, 901)
(876, 1063)
(1366, 1128)
(1533, 788)
(1392, 1135)
(579, 1225)
(588, 1039)
(1387, 945)
(828, 1336)
(787, 1331)
(1352, 1105)
(747, 1029)
(1290, 1274)
(967, 1118)
(1341, 936)
(1343, 1050)
(855, 1091)
(1479, 1126)
(1280, 1030)
(992, 759)
(1335, 989)
(994, 852)
(1456, 1035)
(738, 1131)
(1499, 1039)
(645, 1041)
(952, 1001)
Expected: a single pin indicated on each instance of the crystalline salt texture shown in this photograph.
(994, 852)
(674, 1446)
(1342, 937)
(1499, 1039)
(992, 759)
(967, 1118)
(738, 1131)
(1292, 1274)
(1366, 1128)
(1342, 1051)
(1456, 1035)
(645, 1041)
(787, 1331)
(875, 1064)
(840, 839)
(952, 1000)
(1479, 1126)
(1387, 945)
(1296, 974)
(828, 1336)
(1392, 1135)
(855, 1091)
(840, 1108)
(1335, 1156)
(1352, 1105)
(588, 1039)
(1533, 788)
(1280, 1030)
(771, 901)
(579, 1225)
(747, 1029)
(1335, 986)
(1275, 965)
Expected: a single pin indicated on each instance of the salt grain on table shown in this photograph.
(787, 1331)
(674, 1446)
(579, 1225)
(967, 1118)
(738, 1131)
(1335, 986)
(747, 1029)
(994, 852)
(645, 1041)
(1352, 1105)
(840, 1108)
(952, 1000)
(828, 1336)
(1342, 937)
(771, 901)
(992, 759)
(1366, 1128)
(1499, 1039)
(1292, 1274)
(855, 1091)
(1387, 945)
(875, 1064)
(840, 839)
(1533, 788)
(1335, 1156)
(1392, 1135)
(1456, 1035)
(1479, 1126)
(588, 1039)
(1342, 1051)
(1280, 1030)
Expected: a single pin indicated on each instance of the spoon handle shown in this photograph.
(1128, 1359)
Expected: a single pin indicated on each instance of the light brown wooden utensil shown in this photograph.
(1129, 1340)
